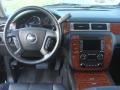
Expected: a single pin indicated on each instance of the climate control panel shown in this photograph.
(91, 58)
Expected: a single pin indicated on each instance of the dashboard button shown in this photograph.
(83, 56)
(100, 56)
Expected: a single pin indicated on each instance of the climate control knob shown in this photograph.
(83, 56)
(100, 56)
(82, 65)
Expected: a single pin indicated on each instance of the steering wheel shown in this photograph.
(32, 38)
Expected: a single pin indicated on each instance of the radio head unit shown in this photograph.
(91, 52)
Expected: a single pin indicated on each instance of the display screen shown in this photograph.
(91, 44)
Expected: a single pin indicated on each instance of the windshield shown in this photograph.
(12, 5)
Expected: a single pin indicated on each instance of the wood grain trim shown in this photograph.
(115, 28)
(90, 79)
(75, 54)
(66, 27)
(107, 51)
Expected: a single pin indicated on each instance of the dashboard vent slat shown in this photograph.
(81, 27)
(99, 26)
(2, 27)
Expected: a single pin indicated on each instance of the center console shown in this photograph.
(91, 48)
(91, 53)
(90, 59)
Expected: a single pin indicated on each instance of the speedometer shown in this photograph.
(34, 21)
(46, 21)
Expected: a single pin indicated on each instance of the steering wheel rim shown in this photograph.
(58, 35)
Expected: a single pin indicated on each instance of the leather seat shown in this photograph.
(31, 87)
(105, 88)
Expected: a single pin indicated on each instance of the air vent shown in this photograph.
(81, 27)
(99, 26)
(2, 27)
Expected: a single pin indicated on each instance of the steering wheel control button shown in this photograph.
(31, 38)
(50, 43)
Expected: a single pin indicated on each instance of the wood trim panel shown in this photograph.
(75, 54)
(107, 51)
(90, 79)
(66, 27)
(115, 28)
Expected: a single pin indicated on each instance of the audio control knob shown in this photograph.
(100, 56)
(83, 56)
(82, 65)
(99, 64)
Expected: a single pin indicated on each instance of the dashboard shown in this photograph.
(89, 38)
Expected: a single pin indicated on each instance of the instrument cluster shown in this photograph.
(35, 20)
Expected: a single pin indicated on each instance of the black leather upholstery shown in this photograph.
(32, 87)
(4, 86)
(105, 88)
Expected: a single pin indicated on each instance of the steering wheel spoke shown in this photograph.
(47, 42)
(18, 52)
(51, 34)
(13, 33)
(43, 51)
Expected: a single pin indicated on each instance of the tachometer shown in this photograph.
(46, 21)
(34, 21)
